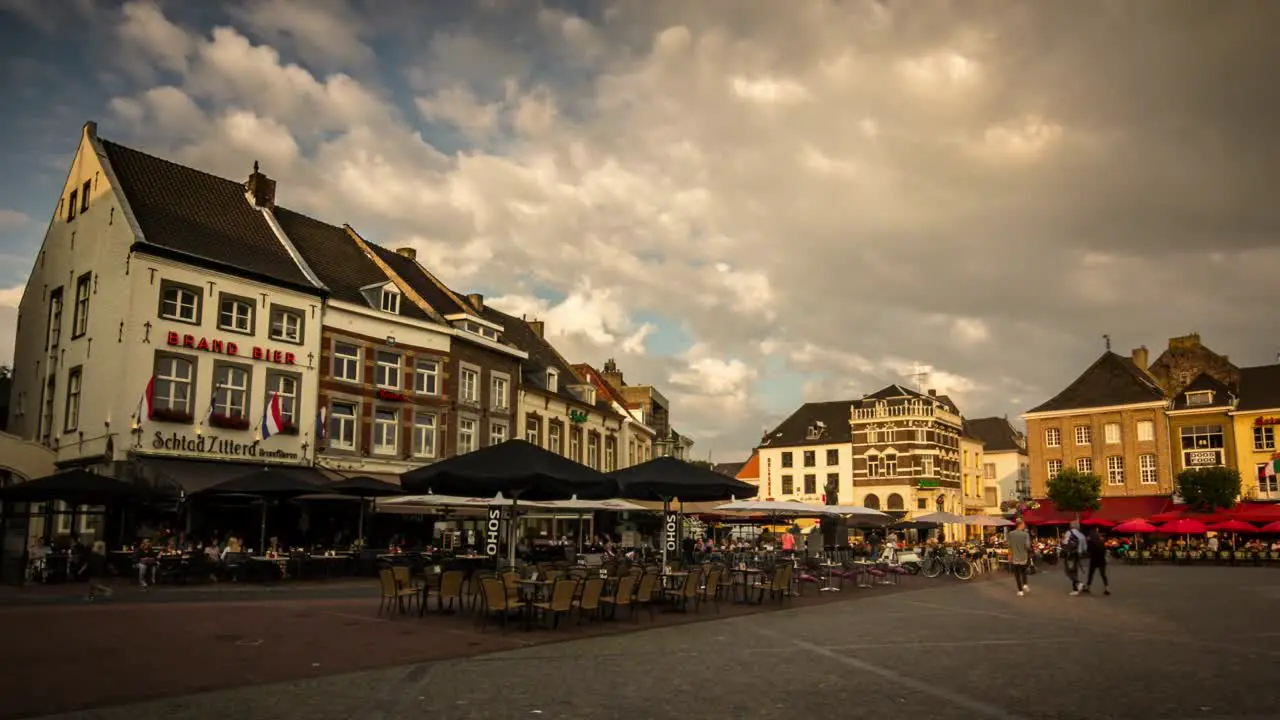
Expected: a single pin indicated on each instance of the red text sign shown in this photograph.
(229, 348)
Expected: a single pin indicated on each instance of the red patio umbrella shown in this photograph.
(1137, 526)
(1097, 522)
(1233, 526)
(1184, 527)
(1267, 514)
(1271, 527)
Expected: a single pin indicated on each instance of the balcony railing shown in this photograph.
(905, 410)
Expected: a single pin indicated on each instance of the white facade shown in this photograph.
(1007, 470)
(777, 475)
(82, 369)
(554, 423)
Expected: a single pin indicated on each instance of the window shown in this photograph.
(346, 362)
(1199, 398)
(469, 386)
(1267, 483)
(179, 302)
(786, 459)
(55, 318)
(610, 454)
(553, 439)
(497, 433)
(833, 457)
(466, 435)
(235, 314)
(1202, 437)
(286, 325)
(84, 196)
(72, 205)
(593, 452)
(342, 426)
(922, 503)
(1146, 430)
(1111, 433)
(386, 370)
(989, 471)
(1264, 437)
(391, 301)
(46, 417)
(810, 484)
(1147, 471)
(71, 419)
(1115, 470)
(284, 387)
(172, 390)
(385, 430)
(533, 431)
(788, 485)
(874, 468)
(891, 465)
(575, 445)
(1084, 465)
(424, 435)
(426, 377)
(926, 466)
(1054, 467)
(230, 390)
(1084, 435)
(833, 480)
(500, 392)
(810, 458)
(1052, 437)
(80, 321)
(553, 381)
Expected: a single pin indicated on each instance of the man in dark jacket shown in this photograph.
(1097, 561)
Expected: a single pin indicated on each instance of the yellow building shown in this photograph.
(972, 486)
(1256, 422)
(1201, 431)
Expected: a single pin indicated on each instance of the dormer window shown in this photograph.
(591, 396)
(390, 301)
(553, 381)
(1199, 398)
(476, 328)
(814, 432)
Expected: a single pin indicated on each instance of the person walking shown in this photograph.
(1097, 561)
(94, 569)
(1074, 546)
(1019, 554)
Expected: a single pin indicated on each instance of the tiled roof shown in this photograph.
(423, 282)
(542, 355)
(996, 434)
(337, 260)
(604, 390)
(1259, 388)
(730, 468)
(201, 218)
(750, 471)
(1111, 380)
(794, 431)
(1222, 394)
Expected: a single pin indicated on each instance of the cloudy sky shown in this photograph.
(747, 203)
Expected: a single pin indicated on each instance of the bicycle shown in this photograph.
(950, 562)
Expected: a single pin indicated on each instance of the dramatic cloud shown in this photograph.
(750, 204)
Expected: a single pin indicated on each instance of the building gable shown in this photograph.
(1110, 381)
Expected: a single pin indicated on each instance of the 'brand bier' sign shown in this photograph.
(228, 348)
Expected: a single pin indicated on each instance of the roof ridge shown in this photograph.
(171, 162)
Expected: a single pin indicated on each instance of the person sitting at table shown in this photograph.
(145, 559)
(233, 547)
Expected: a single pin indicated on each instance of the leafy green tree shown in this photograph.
(1074, 491)
(1209, 488)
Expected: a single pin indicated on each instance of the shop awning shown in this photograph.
(189, 476)
(1111, 510)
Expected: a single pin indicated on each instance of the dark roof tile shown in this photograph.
(1259, 388)
(1111, 380)
(1204, 382)
(996, 434)
(794, 431)
(542, 356)
(201, 217)
(422, 282)
(730, 468)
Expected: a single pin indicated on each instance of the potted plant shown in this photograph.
(229, 422)
(170, 415)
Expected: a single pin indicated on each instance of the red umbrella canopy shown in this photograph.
(1237, 526)
(1184, 527)
(1271, 527)
(1097, 522)
(1269, 514)
(1136, 526)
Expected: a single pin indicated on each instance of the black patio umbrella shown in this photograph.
(364, 487)
(266, 484)
(913, 525)
(74, 487)
(664, 478)
(516, 468)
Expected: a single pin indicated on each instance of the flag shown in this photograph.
(144, 404)
(1272, 469)
(322, 426)
(272, 420)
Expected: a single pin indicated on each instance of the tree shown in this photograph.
(1209, 488)
(1074, 491)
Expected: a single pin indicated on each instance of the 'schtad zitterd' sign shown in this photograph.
(229, 348)
(214, 446)
(672, 541)
(491, 532)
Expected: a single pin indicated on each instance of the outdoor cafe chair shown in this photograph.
(710, 592)
(687, 590)
(644, 593)
(561, 600)
(622, 596)
(392, 594)
(450, 589)
(589, 600)
(494, 600)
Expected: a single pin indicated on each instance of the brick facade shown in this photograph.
(1130, 448)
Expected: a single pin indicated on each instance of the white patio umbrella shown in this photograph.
(942, 518)
(796, 509)
(582, 507)
(987, 521)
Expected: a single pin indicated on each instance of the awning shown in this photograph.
(332, 475)
(188, 476)
(1112, 509)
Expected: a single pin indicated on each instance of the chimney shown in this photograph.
(933, 393)
(537, 327)
(407, 252)
(1140, 357)
(261, 189)
(477, 302)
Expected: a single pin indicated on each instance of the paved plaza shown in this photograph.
(1171, 643)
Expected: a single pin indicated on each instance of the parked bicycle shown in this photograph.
(949, 562)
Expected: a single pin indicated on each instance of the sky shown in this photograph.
(749, 204)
